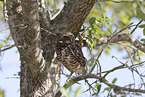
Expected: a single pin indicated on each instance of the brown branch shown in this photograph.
(44, 21)
(72, 16)
(114, 69)
(108, 42)
(32, 39)
(120, 67)
(25, 31)
(123, 37)
(103, 80)
(118, 38)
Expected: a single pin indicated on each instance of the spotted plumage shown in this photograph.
(70, 54)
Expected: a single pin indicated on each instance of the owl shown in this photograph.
(70, 54)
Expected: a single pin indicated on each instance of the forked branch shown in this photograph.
(101, 79)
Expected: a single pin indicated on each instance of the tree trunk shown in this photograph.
(35, 39)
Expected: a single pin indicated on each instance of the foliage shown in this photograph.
(2, 93)
(106, 19)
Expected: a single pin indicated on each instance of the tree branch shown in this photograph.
(43, 18)
(72, 16)
(103, 80)
(7, 48)
(114, 69)
(136, 26)
(120, 67)
(123, 37)
(32, 41)
(25, 30)
(118, 38)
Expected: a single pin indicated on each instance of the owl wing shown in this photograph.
(77, 53)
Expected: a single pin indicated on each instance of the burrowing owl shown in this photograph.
(70, 54)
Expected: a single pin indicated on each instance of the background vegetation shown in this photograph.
(109, 31)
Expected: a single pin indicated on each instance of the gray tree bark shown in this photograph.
(35, 37)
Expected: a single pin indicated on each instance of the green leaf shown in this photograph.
(96, 35)
(97, 29)
(143, 40)
(7, 2)
(136, 94)
(89, 33)
(99, 88)
(144, 31)
(1, 45)
(5, 41)
(110, 28)
(64, 91)
(91, 43)
(109, 18)
(101, 7)
(104, 14)
(114, 80)
(107, 49)
(95, 94)
(140, 14)
(142, 26)
(99, 20)
(78, 91)
(92, 20)
(107, 53)
(111, 95)
(107, 89)
(2, 93)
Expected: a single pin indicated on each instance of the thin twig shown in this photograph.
(103, 80)
(134, 84)
(120, 67)
(90, 86)
(130, 25)
(136, 27)
(114, 69)
(7, 48)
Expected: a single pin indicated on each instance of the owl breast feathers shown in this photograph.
(70, 54)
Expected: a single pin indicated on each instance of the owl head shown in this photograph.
(67, 38)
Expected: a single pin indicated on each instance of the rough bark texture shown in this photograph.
(72, 16)
(35, 39)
